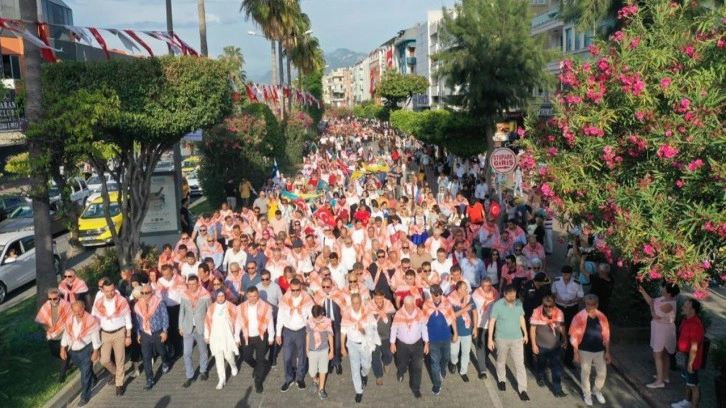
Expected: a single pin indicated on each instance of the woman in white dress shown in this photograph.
(221, 332)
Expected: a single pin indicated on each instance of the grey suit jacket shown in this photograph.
(192, 320)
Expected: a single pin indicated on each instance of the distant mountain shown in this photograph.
(340, 58)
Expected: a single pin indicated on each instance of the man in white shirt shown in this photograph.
(170, 287)
(258, 330)
(360, 328)
(234, 254)
(441, 266)
(191, 265)
(114, 315)
(338, 271)
(568, 293)
(295, 310)
(81, 342)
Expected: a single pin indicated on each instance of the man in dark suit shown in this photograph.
(332, 301)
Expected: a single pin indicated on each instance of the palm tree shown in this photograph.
(233, 57)
(202, 15)
(273, 16)
(303, 50)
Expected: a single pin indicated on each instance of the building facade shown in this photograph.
(338, 88)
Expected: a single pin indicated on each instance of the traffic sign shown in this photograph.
(503, 160)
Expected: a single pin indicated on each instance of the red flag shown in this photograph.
(264, 93)
(286, 91)
(389, 58)
(274, 94)
(186, 47)
(101, 41)
(141, 42)
(250, 94)
(46, 53)
(235, 91)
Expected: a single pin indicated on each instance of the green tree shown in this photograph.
(140, 107)
(313, 83)
(635, 150)
(396, 87)
(491, 56)
(232, 56)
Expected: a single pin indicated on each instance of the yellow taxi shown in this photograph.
(93, 230)
(190, 164)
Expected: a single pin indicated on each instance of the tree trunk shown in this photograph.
(202, 27)
(300, 79)
(45, 272)
(289, 83)
(273, 51)
(281, 67)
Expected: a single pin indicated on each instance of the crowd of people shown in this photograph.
(382, 251)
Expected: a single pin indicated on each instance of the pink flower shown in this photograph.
(700, 294)
(594, 50)
(639, 115)
(689, 50)
(685, 103)
(667, 152)
(594, 131)
(520, 132)
(620, 264)
(706, 265)
(649, 250)
(552, 151)
(665, 82)
(679, 183)
(617, 36)
(695, 165)
(546, 190)
(655, 275)
(668, 133)
(635, 42)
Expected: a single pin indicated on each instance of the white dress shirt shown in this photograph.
(110, 324)
(90, 338)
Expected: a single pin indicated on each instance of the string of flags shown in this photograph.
(131, 39)
(271, 93)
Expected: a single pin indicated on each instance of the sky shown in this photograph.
(359, 25)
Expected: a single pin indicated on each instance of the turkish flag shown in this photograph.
(389, 58)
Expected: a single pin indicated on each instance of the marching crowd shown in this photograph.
(358, 257)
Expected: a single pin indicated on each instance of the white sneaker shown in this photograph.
(587, 399)
(220, 385)
(234, 371)
(599, 397)
(681, 404)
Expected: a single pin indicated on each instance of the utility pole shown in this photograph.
(177, 145)
(202, 27)
(46, 274)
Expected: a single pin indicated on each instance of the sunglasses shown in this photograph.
(145, 293)
(251, 268)
(327, 287)
(265, 280)
(548, 306)
(405, 247)
(353, 281)
(216, 284)
(294, 290)
(68, 276)
(203, 230)
(53, 299)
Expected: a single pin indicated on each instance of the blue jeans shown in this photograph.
(189, 340)
(382, 356)
(82, 360)
(553, 358)
(439, 352)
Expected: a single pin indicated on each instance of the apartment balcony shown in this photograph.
(411, 60)
(547, 21)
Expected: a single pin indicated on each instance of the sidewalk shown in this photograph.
(635, 362)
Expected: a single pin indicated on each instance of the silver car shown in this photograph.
(17, 268)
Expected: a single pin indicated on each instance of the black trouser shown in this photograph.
(55, 347)
(293, 354)
(256, 346)
(175, 341)
(135, 349)
(409, 357)
(569, 312)
(82, 360)
(480, 350)
(149, 344)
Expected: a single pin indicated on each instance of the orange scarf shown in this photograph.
(579, 325)
(539, 318)
(146, 310)
(231, 311)
(325, 325)
(461, 302)
(121, 307)
(195, 297)
(402, 318)
(88, 324)
(355, 324)
(264, 316)
(69, 294)
(287, 302)
(381, 313)
(486, 299)
(335, 295)
(45, 317)
(429, 309)
(177, 283)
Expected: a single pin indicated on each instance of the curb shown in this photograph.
(632, 382)
(71, 390)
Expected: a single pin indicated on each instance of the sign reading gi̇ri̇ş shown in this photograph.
(503, 160)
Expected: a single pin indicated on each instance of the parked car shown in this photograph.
(94, 182)
(22, 219)
(195, 188)
(190, 163)
(112, 186)
(164, 165)
(17, 265)
(79, 191)
(8, 204)
(93, 230)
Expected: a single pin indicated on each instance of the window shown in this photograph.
(578, 41)
(588, 38)
(28, 243)
(11, 67)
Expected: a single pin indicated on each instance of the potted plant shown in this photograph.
(718, 359)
